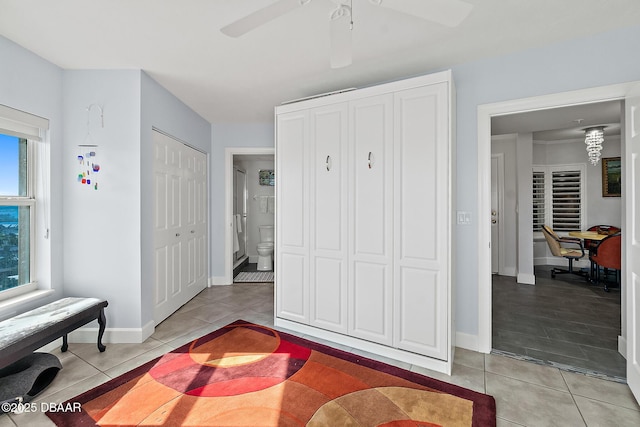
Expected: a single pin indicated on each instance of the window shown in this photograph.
(538, 200)
(18, 133)
(559, 197)
(16, 208)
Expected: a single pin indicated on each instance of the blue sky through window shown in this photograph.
(9, 165)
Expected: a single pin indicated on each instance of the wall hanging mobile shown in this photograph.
(88, 154)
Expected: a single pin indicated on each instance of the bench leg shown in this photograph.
(65, 344)
(102, 321)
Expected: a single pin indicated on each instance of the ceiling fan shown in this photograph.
(445, 12)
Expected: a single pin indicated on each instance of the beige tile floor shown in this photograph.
(526, 394)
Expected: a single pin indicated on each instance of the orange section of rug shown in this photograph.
(250, 375)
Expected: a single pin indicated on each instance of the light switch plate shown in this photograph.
(464, 218)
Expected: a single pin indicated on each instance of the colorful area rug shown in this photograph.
(254, 277)
(249, 375)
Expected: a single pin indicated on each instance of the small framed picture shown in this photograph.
(266, 177)
(611, 177)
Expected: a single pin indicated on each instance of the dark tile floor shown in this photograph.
(564, 320)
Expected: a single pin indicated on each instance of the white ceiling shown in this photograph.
(561, 124)
(178, 43)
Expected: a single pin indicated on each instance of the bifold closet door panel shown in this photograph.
(328, 217)
(371, 218)
(422, 206)
(180, 224)
(292, 216)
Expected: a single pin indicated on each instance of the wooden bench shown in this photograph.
(27, 332)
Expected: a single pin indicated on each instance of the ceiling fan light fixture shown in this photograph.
(594, 137)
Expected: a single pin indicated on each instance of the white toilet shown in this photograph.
(265, 248)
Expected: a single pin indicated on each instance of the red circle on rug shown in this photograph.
(206, 370)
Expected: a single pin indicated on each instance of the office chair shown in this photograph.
(566, 247)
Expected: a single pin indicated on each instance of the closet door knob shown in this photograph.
(328, 163)
(369, 160)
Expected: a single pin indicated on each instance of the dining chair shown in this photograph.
(566, 247)
(600, 229)
(607, 256)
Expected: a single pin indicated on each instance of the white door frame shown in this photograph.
(229, 152)
(485, 112)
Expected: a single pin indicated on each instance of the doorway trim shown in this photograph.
(229, 152)
(485, 112)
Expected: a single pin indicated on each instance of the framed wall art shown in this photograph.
(611, 177)
(266, 177)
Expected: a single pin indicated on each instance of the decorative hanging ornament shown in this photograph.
(87, 154)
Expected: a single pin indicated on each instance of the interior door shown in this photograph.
(371, 219)
(421, 220)
(328, 217)
(631, 237)
(292, 216)
(180, 224)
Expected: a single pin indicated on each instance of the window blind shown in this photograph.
(538, 200)
(22, 125)
(566, 200)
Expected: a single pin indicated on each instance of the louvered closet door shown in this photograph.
(422, 238)
(328, 278)
(292, 216)
(371, 226)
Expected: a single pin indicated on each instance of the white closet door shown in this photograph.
(328, 217)
(422, 237)
(371, 215)
(292, 216)
(180, 224)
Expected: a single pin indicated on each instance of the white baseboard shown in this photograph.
(218, 281)
(112, 335)
(622, 346)
(527, 279)
(467, 341)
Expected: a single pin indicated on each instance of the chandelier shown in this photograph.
(594, 137)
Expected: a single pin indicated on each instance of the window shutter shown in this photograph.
(538, 200)
(566, 200)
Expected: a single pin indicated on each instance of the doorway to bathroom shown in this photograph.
(250, 215)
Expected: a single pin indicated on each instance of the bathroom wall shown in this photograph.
(257, 192)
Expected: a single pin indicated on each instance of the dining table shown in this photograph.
(589, 235)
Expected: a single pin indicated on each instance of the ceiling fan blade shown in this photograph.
(262, 16)
(446, 12)
(340, 33)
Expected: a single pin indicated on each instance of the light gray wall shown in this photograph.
(223, 136)
(552, 69)
(102, 227)
(31, 84)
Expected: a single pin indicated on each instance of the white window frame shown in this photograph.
(34, 129)
(548, 191)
